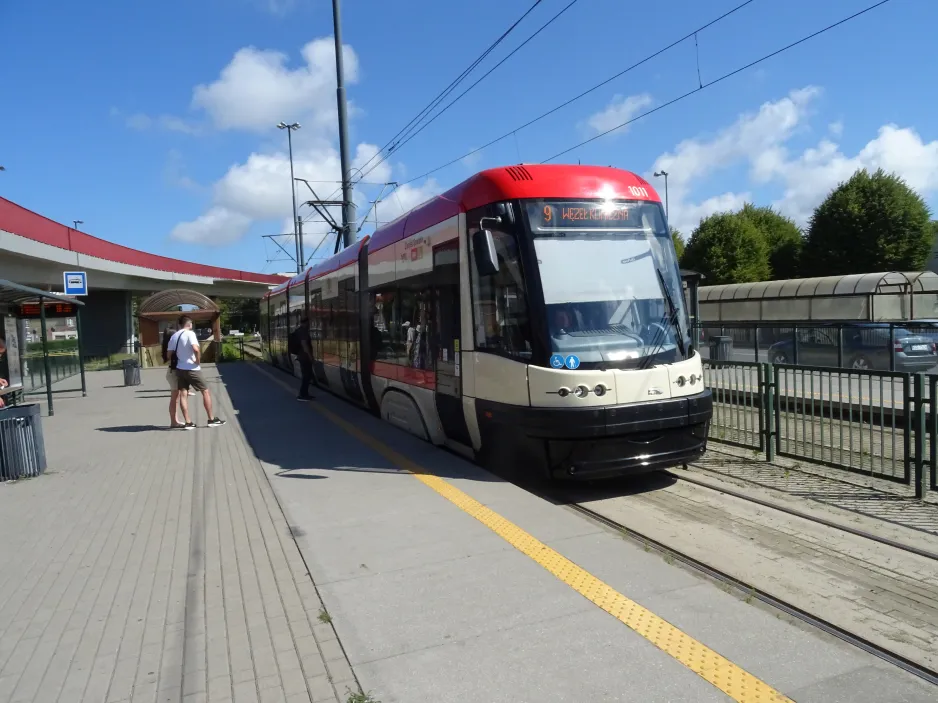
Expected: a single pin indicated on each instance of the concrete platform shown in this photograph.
(283, 557)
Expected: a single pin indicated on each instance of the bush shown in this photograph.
(868, 224)
(727, 248)
(229, 352)
(54, 345)
(782, 237)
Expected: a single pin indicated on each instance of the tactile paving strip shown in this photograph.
(733, 680)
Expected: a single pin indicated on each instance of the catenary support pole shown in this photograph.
(348, 207)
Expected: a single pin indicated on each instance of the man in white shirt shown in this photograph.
(186, 352)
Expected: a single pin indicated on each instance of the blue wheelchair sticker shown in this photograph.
(572, 362)
(556, 361)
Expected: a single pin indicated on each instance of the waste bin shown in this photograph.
(22, 448)
(721, 348)
(131, 369)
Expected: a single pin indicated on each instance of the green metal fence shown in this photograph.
(878, 423)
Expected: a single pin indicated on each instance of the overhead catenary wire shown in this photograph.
(732, 73)
(586, 92)
(446, 91)
(426, 124)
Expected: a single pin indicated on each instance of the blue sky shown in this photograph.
(154, 122)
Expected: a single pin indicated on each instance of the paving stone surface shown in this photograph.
(155, 565)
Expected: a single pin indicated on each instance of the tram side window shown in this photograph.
(315, 323)
(500, 305)
(386, 320)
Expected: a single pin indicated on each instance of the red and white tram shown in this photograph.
(531, 318)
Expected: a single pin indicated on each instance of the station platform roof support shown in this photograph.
(13, 298)
(871, 297)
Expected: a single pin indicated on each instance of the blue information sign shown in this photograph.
(556, 361)
(75, 283)
(572, 362)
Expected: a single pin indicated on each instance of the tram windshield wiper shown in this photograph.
(671, 320)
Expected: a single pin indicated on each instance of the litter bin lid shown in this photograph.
(128, 363)
(721, 339)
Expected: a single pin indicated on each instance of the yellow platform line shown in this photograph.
(730, 678)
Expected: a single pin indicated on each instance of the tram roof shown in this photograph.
(515, 182)
(883, 283)
(490, 186)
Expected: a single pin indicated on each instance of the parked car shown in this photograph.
(865, 346)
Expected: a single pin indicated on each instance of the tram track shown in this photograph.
(807, 516)
(748, 590)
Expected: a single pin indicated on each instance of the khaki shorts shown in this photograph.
(172, 380)
(191, 379)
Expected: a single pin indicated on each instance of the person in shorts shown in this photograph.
(184, 345)
(172, 381)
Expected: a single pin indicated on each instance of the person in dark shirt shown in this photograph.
(301, 347)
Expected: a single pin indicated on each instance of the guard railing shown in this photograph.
(882, 424)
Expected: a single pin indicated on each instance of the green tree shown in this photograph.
(869, 223)
(727, 248)
(783, 238)
(678, 243)
(239, 313)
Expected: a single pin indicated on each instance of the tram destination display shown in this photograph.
(550, 215)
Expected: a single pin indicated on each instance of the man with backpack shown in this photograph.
(300, 346)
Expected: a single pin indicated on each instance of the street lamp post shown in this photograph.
(667, 210)
(296, 235)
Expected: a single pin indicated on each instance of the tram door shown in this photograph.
(447, 319)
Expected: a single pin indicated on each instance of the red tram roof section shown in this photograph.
(26, 223)
(494, 185)
(515, 183)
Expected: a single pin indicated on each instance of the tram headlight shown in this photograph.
(600, 390)
(693, 379)
(563, 392)
(681, 381)
(581, 391)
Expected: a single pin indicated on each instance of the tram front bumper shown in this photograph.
(595, 443)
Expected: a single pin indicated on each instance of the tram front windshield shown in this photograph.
(611, 282)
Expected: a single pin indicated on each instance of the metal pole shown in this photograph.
(81, 352)
(45, 354)
(302, 259)
(667, 209)
(667, 206)
(299, 264)
(348, 207)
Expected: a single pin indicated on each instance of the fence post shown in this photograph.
(892, 347)
(933, 432)
(768, 409)
(921, 477)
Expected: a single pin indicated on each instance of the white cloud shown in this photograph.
(757, 138)
(142, 122)
(257, 89)
(808, 178)
(619, 110)
(174, 172)
(472, 160)
(277, 7)
(258, 190)
(760, 141)
(217, 226)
